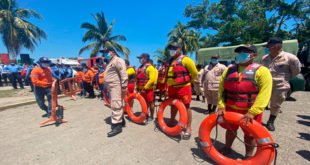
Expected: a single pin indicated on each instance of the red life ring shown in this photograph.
(106, 100)
(176, 130)
(264, 154)
(137, 119)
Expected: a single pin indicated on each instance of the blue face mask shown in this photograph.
(267, 51)
(107, 56)
(214, 61)
(243, 58)
(141, 62)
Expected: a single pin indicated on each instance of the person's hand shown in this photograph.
(220, 111)
(248, 117)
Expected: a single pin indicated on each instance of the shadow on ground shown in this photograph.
(199, 153)
(59, 114)
(306, 123)
(304, 117)
(157, 128)
(304, 136)
(291, 99)
(199, 110)
(304, 153)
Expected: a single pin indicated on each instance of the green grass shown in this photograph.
(7, 93)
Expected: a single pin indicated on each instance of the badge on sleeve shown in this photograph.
(119, 66)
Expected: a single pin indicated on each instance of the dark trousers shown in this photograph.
(1, 80)
(39, 93)
(83, 93)
(101, 87)
(14, 77)
(5, 79)
(30, 83)
(89, 89)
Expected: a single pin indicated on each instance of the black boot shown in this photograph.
(116, 129)
(123, 123)
(270, 123)
(198, 98)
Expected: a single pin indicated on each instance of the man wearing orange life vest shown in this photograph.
(182, 72)
(146, 79)
(87, 81)
(80, 74)
(42, 80)
(131, 77)
(162, 84)
(244, 88)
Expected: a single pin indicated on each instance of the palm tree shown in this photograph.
(100, 35)
(16, 32)
(162, 54)
(185, 36)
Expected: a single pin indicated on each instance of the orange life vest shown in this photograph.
(180, 73)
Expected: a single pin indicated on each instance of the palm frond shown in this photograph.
(26, 13)
(89, 46)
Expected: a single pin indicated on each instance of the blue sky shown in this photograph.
(145, 23)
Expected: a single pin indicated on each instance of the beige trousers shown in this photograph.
(116, 101)
(212, 97)
(278, 96)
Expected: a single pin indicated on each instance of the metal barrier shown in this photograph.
(54, 118)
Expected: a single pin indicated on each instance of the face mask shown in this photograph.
(141, 62)
(267, 51)
(45, 65)
(243, 58)
(214, 61)
(108, 56)
(173, 52)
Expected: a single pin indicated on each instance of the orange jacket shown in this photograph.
(41, 77)
(88, 76)
(95, 71)
(101, 77)
(79, 74)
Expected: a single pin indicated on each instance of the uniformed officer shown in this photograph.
(211, 80)
(283, 67)
(244, 88)
(182, 72)
(197, 83)
(14, 71)
(116, 81)
(42, 80)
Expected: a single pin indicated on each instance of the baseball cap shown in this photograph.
(249, 47)
(174, 45)
(144, 55)
(274, 40)
(43, 59)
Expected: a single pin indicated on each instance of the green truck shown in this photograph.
(228, 55)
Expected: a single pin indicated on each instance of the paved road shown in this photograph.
(83, 139)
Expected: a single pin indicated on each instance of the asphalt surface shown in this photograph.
(83, 139)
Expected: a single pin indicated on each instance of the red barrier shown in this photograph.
(54, 105)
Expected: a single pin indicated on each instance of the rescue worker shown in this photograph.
(131, 72)
(87, 81)
(42, 80)
(14, 71)
(162, 84)
(211, 80)
(197, 83)
(146, 80)
(245, 88)
(80, 74)
(116, 81)
(283, 67)
(181, 73)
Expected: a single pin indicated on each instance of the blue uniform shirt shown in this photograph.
(13, 69)
(69, 72)
(29, 70)
(55, 72)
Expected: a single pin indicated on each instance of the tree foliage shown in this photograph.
(15, 30)
(101, 37)
(232, 22)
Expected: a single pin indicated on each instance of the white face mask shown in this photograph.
(45, 65)
(172, 53)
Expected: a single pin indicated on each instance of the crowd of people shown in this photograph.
(244, 87)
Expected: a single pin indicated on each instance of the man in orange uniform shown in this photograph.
(42, 80)
(146, 78)
(87, 81)
(182, 72)
(80, 74)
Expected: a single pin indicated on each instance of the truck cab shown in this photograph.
(92, 61)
